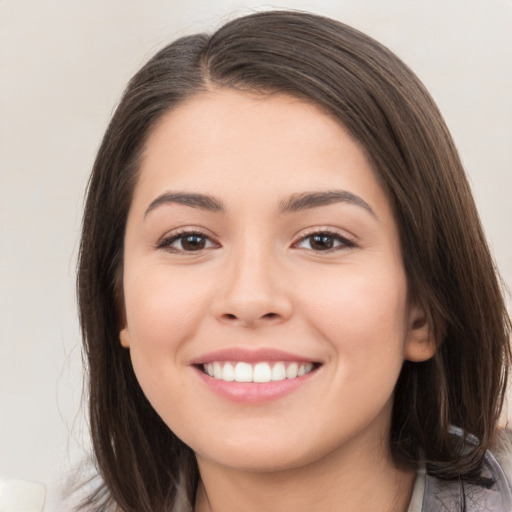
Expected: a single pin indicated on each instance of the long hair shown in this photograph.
(450, 272)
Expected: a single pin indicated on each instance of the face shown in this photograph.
(267, 314)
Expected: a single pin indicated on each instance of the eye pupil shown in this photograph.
(321, 242)
(193, 242)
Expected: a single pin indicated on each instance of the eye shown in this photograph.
(324, 241)
(187, 241)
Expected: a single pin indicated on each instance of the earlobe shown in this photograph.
(124, 337)
(420, 343)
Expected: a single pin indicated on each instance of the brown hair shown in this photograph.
(144, 466)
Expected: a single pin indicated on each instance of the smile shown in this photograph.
(259, 372)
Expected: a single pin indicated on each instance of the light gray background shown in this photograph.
(63, 65)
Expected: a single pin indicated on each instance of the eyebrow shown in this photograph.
(295, 203)
(309, 200)
(201, 201)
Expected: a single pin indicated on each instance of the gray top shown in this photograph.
(433, 495)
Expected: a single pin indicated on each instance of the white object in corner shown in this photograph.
(21, 496)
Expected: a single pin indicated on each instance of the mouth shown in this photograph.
(258, 372)
(255, 375)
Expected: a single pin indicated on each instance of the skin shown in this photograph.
(259, 281)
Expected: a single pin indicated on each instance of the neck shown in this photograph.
(347, 480)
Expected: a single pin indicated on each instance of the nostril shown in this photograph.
(231, 316)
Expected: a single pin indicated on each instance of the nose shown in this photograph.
(252, 291)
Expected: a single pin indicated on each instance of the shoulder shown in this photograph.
(83, 490)
(502, 451)
(496, 496)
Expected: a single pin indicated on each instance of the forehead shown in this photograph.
(226, 142)
(246, 120)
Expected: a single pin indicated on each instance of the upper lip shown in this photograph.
(250, 355)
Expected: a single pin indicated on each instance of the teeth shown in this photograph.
(260, 372)
(279, 371)
(228, 373)
(243, 372)
(292, 370)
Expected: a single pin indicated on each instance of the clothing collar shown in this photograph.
(431, 494)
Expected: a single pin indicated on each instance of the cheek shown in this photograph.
(362, 314)
(163, 311)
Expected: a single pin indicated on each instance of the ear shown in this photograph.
(124, 337)
(420, 341)
(124, 334)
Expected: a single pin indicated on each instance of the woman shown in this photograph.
(286, 296)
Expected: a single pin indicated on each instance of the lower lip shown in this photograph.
(254, 392)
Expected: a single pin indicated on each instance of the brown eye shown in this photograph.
(193, 242)
(186, 242)
(324, 241)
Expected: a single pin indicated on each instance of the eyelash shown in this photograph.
(166, 243)
(344, 242)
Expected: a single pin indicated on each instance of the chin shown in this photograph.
(256, 460)
(266, 454)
